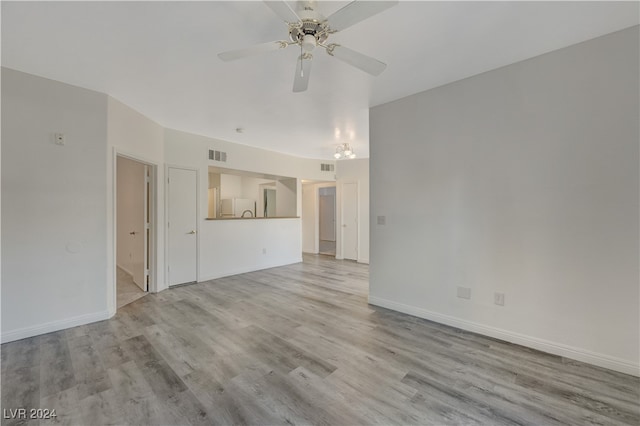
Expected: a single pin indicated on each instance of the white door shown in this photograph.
(132, 214)
(182, 221)
(350, 221)
(139, 233)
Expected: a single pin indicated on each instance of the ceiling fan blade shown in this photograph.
(303, 72)
(283, 10)
(357, 59)
(357, 11)
(232, 55)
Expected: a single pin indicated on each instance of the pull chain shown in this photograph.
(301, 70)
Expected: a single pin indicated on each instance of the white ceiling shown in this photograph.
(160, 58)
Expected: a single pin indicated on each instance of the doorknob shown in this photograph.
(132, 233)
(192, 232)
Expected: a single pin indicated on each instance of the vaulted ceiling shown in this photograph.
(160, 58)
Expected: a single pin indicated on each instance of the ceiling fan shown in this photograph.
(310, 29)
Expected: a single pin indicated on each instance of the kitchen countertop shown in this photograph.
(252, 218)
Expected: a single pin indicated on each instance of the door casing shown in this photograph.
(153, 221)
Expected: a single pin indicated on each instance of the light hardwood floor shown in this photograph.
(327, 247)
(126, 290)
(298, 345)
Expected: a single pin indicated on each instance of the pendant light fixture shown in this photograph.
(344, 151)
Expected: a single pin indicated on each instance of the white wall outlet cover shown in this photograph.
(74, 247)
(464, 292)
(498, 298)
(59, 138)
(382, 220)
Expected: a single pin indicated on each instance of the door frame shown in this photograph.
(342, 184)
(153, 222)
(166, 219)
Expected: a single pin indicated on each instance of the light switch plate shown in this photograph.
(464, 292)
(382, 220)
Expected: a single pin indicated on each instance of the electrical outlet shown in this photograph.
(59, 138)
(498, 298)
(264, 251)
(464, 292)
(382, 220)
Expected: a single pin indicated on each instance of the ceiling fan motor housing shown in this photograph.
(310, 31)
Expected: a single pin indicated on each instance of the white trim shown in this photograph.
(555, 348)
(124, 269)
(366, 261)
(35, 330)
(250, 269)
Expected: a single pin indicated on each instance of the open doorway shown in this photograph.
(327, 220)
(319, 218)
(133, 229)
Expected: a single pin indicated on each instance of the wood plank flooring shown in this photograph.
(298, 345)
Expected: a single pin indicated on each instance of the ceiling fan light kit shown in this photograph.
(310, 29)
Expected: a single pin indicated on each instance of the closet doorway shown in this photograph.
(327, 220)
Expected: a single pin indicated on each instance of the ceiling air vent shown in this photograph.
(326, 167)
(217, 155)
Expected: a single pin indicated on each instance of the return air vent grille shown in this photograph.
(326, 167)
(217, 155)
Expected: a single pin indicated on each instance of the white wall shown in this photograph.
(214, 180)
(228, 247)
(250, 186)
(183, 145)
(54, 218)
(188, 149)
(60, 272)
(286, 198)
(230, 186)
(356, 170)
(133, 135)
(129, 203)
(309, 214)
(522, 180)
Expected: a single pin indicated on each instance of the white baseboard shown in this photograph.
(366, 261)
(49, 327)
(601, 360)
(124, 269)
(249, 269)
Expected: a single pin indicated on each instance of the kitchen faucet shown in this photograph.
(250, 213)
